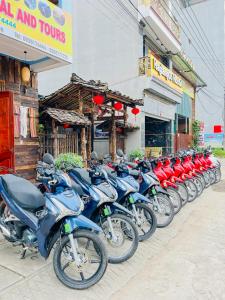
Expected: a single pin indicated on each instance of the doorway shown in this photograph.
(6, 130)
(158, 135)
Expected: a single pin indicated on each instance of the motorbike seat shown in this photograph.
(82, 175)
(23, 192)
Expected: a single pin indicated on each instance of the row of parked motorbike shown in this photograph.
(98, 215)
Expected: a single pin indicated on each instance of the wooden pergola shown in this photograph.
(78, 95)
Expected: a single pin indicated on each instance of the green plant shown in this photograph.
(196, 128)
(219, 152)
(137, 153)
(68, 160)
(41, 128)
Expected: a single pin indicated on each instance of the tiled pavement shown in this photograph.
(184, 261)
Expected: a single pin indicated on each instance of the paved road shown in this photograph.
(184, 261)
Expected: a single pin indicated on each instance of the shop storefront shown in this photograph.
(34, 36)
(162, 94)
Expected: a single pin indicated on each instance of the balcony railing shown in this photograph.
(162, 9)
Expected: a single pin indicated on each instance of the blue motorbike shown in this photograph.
(41, 222)
(99, 197)
(128, 196)
(159, 198)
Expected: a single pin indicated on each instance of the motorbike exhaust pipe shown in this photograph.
(5, 231)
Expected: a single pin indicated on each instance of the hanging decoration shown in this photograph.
(98, 99)
(135, 111)
(65, 126)
(118, 105)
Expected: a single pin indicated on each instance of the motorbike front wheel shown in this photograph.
(121, 237)
(145, 220)
(183, 192)
(175, 199)
(206, 178)
(218, 174)
(192, 190)
(92, 255)
(212, 176)
(198, 184)
(163, 209)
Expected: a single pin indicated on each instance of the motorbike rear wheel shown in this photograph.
(175, 199)
(92, 254)
(183, 192)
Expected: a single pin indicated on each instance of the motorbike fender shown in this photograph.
(159, 189)
(73, 223)
(81, 222)
(120, 208)
(137, 197)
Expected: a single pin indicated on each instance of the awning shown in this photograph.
(67, 117)
(187, 71)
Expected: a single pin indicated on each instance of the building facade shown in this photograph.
(203, 40)
(135, 47)
(35, 36)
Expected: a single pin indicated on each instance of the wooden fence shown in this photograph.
(64, 143)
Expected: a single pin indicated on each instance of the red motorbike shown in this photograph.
(191, 170)
(181, 173)
(180, 183)
(168, 185)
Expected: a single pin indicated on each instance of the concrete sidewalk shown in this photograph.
(183, 261)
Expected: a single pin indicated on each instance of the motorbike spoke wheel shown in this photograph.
(175, 199)
(165, 212)
(198, 184)
(212, 176)
(183, 192)
(207, 179)
(192, 190)
(146, 223)
(126, 237)
(218, 174)
(93, 260)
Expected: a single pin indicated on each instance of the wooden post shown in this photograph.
(89, 145)
(113, 136)
(55, 141)
(83, 135)
(125, 125)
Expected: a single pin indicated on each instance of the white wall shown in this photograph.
(210, 15)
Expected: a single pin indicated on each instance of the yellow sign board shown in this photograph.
(161, 72)
(38, 23)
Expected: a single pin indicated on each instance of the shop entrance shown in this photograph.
(6, 130)
(158, 138)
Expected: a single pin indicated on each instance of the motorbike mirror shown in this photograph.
(120, 153)
(94, 155)
(48, 159)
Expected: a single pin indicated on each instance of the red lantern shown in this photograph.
(118, 106)
(135, 111)
(65, 126)
(98, 99)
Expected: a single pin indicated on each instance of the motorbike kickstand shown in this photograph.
(23, 252)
